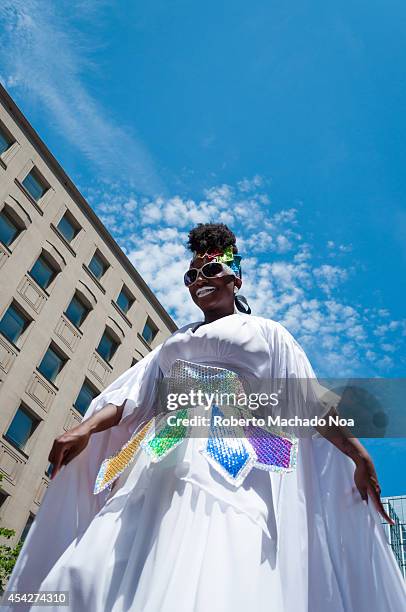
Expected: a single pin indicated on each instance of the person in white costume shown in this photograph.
(174, 535)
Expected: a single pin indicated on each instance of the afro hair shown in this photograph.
(209, 237)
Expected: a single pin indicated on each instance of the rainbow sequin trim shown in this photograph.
(226, 256)
(233, 451)
(161, 442)
(115, 465)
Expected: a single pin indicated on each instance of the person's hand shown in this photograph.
(367, 484)
(67, 446)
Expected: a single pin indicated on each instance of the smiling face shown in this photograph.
(213, 294)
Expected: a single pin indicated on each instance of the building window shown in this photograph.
(5, 141)
(125, 300)
(107, 346)
(150, 331)
(27, 527)
(21, 428)
(9, 230)
(48, 471)
(35, 184)
(43, 272)
(86, 395)
(98, 265)
(51, 364)
(77, 311)
(3, 497)
(68, 227)
(13, 323)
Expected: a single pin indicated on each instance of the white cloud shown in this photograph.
(293, 285)
(283, 244)
(329, 277)
(345, 248)
(44, 56)
(390, 348)
(338, 248)
(247, 185)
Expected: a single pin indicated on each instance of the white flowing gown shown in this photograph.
(175, 536)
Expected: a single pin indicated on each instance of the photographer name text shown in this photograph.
(269, 421)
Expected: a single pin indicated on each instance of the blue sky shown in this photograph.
(285, 121)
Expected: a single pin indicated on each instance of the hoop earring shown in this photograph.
(242, 304)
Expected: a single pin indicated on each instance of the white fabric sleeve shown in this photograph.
(305, 398)
(136, 388)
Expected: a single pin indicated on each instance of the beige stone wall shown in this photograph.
(25, 480)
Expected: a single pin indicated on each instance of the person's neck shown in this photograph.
(213, 315)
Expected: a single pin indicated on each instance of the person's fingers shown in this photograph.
(64, 449)
(379, 505)
(58, 457)
(54, 452)
(71, 454)
(56, 467)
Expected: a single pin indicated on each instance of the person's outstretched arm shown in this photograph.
(365, 476)
(69, 444)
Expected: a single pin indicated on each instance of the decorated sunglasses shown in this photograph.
(209, 270)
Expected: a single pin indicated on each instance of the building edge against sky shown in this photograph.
(396, 534)
(74, 312)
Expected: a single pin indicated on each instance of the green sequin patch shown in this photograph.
(167, 438)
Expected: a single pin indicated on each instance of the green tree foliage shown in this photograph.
(8, 554)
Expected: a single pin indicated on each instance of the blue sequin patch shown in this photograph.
(231, 455)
